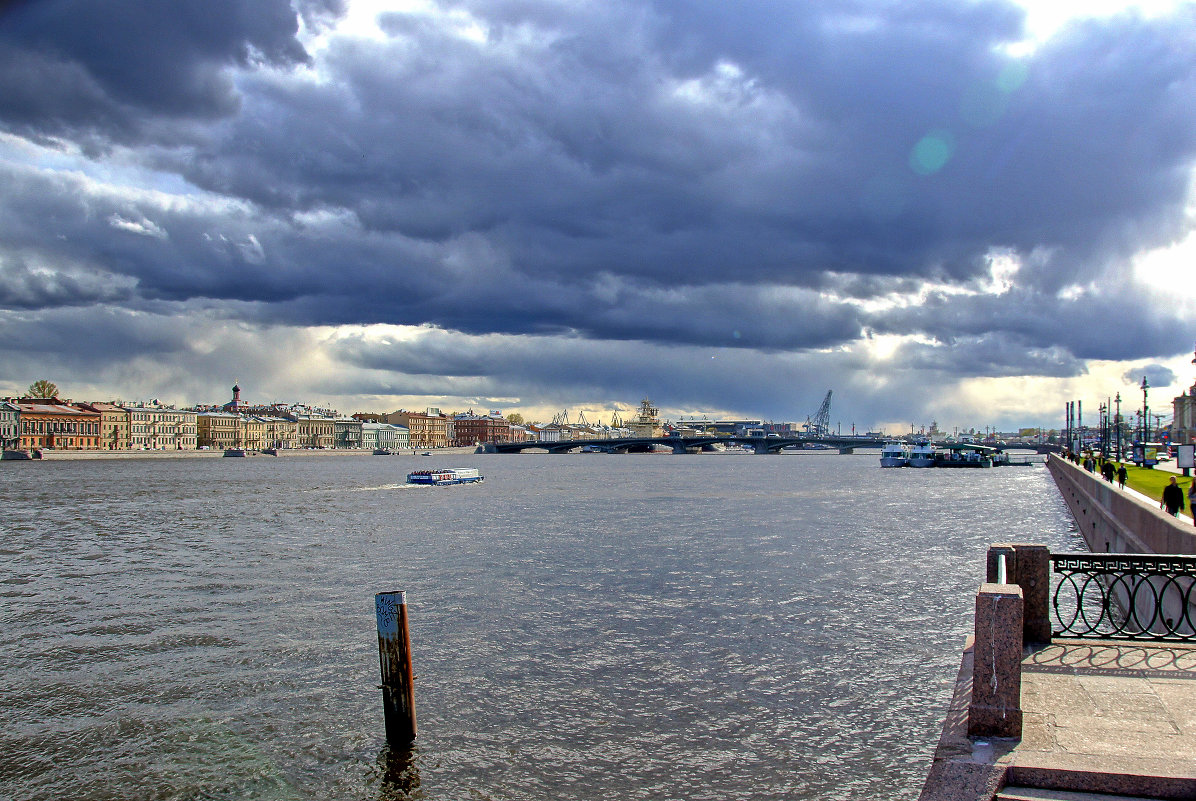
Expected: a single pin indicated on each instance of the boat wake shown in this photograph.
(378, 488)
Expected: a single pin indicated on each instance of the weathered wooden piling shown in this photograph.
(394, 657)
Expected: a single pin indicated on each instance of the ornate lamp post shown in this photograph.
(1145, 411)
(1100, 427)
(1117, 424)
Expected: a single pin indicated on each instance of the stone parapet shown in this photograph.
(996, 708)
(1112, 520)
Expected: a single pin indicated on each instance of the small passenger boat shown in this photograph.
(382, 451)
(445, 476)
(235, 452)
(894, 454)
(922, 455)
(17, 455)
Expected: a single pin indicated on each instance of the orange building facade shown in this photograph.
(50, 423)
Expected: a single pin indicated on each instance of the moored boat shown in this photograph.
(894, 454)
(922, 455)
(382, 451)
(962, 458)
(235, 452)
(17, 455)
(445, 476)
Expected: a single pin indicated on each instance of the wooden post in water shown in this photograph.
(394, 656)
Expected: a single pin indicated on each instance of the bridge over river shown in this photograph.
(761, 445)
(696, 444)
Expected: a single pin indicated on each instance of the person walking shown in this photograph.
(1122, 475)
(1106, 471)
(1192, 500)
(1173, 498)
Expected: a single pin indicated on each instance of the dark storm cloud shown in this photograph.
(555, 370)
(710, 174)
(1112, 325)
(89, 337)
(24, 286)
(110, 71)
(1156, 375)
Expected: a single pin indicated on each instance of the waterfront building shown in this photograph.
(369, 435)
(475, 429)
(114, 425)
(346, 433)
(10, 424)
(219, 430)
(51, 423)
(387, 436)
(314, 430)
(254, 434)
(427, 430)
(548, 433)
(280, 432)
(1183, 420)
(402, 436)
(236, 405)
(155, 427)
(521, 433)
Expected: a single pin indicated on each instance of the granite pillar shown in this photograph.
(1034, 577)
(996, 709)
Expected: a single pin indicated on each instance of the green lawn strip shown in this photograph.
(1151, 482)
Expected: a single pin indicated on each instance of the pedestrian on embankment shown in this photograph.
(1122, 475)
(1173, 498)
(1106, 471)
(1192, 500)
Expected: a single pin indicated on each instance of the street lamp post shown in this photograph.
(1145, 411)
(1100, 422)
(1117, 424)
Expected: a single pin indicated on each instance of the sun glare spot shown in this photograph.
(932, 152)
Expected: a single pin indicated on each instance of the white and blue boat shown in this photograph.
(894, 454)
(445, 476)
(922, 455)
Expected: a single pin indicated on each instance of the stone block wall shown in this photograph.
(1113, 521)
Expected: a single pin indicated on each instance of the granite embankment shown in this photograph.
(1079, 719)
(59, 455)
(1113, 520)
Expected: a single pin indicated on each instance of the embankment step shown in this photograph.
(1011, 793)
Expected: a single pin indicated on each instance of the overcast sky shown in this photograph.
(968, 212)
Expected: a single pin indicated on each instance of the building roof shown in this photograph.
(41, 406)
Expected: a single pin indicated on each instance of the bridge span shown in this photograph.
(761, 445)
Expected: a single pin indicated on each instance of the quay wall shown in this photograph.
(291, 453)
(1113, 521)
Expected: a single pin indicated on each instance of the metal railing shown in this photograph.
(1124, 596)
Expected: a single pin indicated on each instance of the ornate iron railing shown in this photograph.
(1124, 596)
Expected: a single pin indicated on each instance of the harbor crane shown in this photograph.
(820, 424)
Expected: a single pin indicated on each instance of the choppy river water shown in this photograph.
(583, 627)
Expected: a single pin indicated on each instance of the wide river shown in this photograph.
(583, 627)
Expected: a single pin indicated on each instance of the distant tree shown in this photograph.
(515, 418)
(42, 388)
